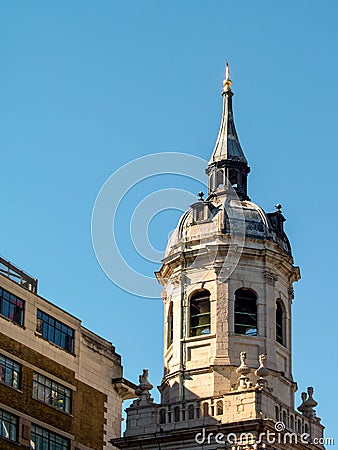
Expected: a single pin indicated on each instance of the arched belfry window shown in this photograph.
(246, 312)
(280, 322)
(170, 335)
(219, 178)
(233, 177)
(200, 313)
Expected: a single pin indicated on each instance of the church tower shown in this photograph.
(227, 278)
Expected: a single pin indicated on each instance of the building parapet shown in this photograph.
(18, 276)
(253, 403)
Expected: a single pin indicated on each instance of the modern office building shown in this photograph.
(61, 385)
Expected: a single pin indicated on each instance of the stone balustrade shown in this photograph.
(231, 407)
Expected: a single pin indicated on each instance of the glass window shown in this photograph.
(42, 439)
(9, 425)
(245, 312)
(52, 393)
(12, 307)
(55, 331)
(10, 372)
(200, 313)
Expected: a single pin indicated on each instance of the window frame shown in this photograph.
(249, 316)
(10, 366)
(200, 296)
(280, 322)
(8, 303)
(55, 331)
(52, 393)
(13, 421)
(45, 434)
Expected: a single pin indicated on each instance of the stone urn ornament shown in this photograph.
(243, 370)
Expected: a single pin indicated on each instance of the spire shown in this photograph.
(227, 145)
(228, 165)
(227, 82)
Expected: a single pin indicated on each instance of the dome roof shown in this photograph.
(228, 211)
(208, 222)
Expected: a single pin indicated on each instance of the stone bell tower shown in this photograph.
(227, 278)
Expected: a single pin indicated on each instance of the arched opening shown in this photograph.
(191, 411)
(162, 415)
(285, 419)
(292, 422)
(245, 312)
(183, 411)
(169, 414)
(170, 335)
(219, 408)
(277, 414)
(200, 313)
(177, 414)
(233, 178)
(219, 178)
(205, 409)
(280, 322)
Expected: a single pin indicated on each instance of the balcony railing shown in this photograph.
(8, 270)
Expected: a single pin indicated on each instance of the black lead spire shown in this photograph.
(228, 163)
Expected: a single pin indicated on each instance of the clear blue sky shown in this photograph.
(87, 86)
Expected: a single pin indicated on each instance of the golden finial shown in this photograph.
(227, 82)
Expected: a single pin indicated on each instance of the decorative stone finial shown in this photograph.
(262, 372)
(142, 390)
(302, 407)
(308, 403)
(200, 195)
(243, 370)
(311, 402)
(278, 208)
(227, 82)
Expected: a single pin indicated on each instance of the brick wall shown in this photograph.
(87, 420)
